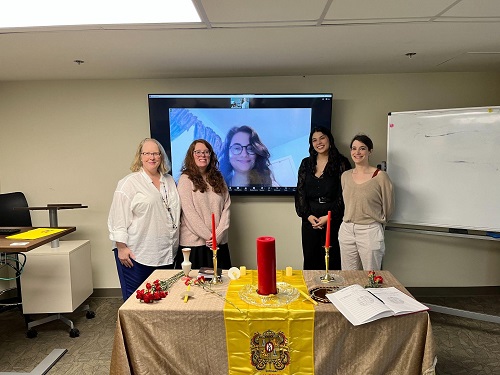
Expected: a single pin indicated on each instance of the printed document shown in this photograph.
(363, 305)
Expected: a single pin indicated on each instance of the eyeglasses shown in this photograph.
(200, 153)
(237, 149)
(153, 154)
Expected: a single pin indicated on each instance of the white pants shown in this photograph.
(362, 247)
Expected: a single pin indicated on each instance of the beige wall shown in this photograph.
(71, 141)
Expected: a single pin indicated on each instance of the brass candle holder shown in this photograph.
(328, 277)
(216, 279)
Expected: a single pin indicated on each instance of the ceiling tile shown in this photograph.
(471, 61)
(475, 8)
(255, 11)
(363, 9)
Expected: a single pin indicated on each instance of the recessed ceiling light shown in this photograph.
(36, 13)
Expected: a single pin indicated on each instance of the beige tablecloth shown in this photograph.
(173, 337)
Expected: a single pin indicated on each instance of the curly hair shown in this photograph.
(164, 166)
(333, 166)
(213, 174)
(261, 173)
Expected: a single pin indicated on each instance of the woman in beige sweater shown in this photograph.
(202, 191)
(369, 201)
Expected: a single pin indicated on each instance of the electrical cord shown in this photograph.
(14, 262)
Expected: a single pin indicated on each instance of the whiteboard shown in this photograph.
(445, 167)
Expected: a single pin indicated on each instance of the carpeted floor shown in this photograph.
(90, 353)
(465, 346)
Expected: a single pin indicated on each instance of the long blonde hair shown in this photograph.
(164, 166)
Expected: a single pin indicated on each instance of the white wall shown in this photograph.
(71, 141)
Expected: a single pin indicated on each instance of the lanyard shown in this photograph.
(164, 198)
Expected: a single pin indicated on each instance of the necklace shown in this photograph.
(164, 198)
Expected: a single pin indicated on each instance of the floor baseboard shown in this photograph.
(107, 293)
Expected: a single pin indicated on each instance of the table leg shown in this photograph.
(53, 224)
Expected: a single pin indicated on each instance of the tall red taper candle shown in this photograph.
(327, 241)
(214, 239)
(266, 265)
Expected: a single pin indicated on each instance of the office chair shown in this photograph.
(10, 217)
(13, 218)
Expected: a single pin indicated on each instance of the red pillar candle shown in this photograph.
(266, 265)
(327, 241)
(214, 239)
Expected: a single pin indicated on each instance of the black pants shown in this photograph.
(313, 242)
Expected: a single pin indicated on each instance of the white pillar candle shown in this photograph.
(288, 271)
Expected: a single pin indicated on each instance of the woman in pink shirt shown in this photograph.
(203, 191)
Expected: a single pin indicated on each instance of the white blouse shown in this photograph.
(146, 219)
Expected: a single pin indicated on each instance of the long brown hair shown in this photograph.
(261, 173)
(214, 177)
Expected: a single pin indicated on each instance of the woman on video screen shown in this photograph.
(244, 159)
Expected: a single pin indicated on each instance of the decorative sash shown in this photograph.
(269, 340)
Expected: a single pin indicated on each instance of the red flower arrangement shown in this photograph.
(198, 281)
(157, 290)
(374, 281)
(153, 292)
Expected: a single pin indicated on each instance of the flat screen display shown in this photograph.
(259, 139)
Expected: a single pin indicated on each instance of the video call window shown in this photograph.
(259, 140)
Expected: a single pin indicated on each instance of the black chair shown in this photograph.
(9, 217)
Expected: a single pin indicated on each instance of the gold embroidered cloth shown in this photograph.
(269, 340)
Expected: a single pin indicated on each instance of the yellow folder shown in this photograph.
(34, 234)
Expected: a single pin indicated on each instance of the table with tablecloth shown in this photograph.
(174, 337)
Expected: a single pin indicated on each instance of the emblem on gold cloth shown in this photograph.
(269, 349)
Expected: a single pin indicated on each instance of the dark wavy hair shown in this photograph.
(214, 176)
(335, 158)
(260, 174)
